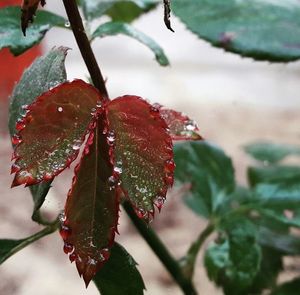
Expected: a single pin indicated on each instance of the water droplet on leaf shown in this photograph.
(68, 248)
(111, 137)
(16, 139)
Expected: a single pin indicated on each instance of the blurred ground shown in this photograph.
(235, 101)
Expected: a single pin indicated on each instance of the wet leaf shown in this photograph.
(258, 29)
(119, 275)
(115, 28)
(271, 152)
(91, 211)
(181, 126)
(118, 10)
(10, 32)
(52, 131)
(45, 72)
(210, 173)
(234, 262)
(29, 8)
(143, 152)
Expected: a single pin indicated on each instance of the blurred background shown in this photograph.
(234, 101)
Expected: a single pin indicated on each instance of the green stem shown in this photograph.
(27, 241)
(161, 251)
(85, 46)
(189, 261)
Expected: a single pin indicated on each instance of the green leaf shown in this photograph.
(8, 248)
(273, 174)
(276, 187)
(234, 262)
(286, 243)
(288, 288)
(45, 72)
(270, 267)
(119, 275)
(10, 30)
(271, 152)
(118, 10)
(258, 29)
(115, 28)
(127, 11)
(210, 173)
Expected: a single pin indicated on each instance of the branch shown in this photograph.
(84, 46)
(27, 241)
(161, 251)
(189, 261)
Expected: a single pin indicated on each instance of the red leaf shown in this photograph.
(181, 127)
(29, 8)
(143, 152)
(52, 131)
(91, 211)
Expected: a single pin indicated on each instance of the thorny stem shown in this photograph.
(161, 251)
(148, 234)
(27, 241)
(84, 46)
(189, 261)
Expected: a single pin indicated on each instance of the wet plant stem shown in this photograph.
(169, 262)
(27, 241)
(147, 233)
(85, 46)
(189, 261)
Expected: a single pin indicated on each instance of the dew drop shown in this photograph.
(105, 253)
(111, 137)
(99, 104)
(169, 179)
(65, 231)
(67, 24)
(159, 202)
(155, 108)
(20, 124)
(76, 146)
(169, 166)
(14, 168)
(60, 109)
(118, 169)
(141, 213)
(113, 181)
(92, 261)
(190, 125)
(68, 248)
(16, 139)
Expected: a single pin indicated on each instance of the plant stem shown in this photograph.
(27, 241)
(189, 261)
(161, 251)
(148, 234)
(84, 46)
